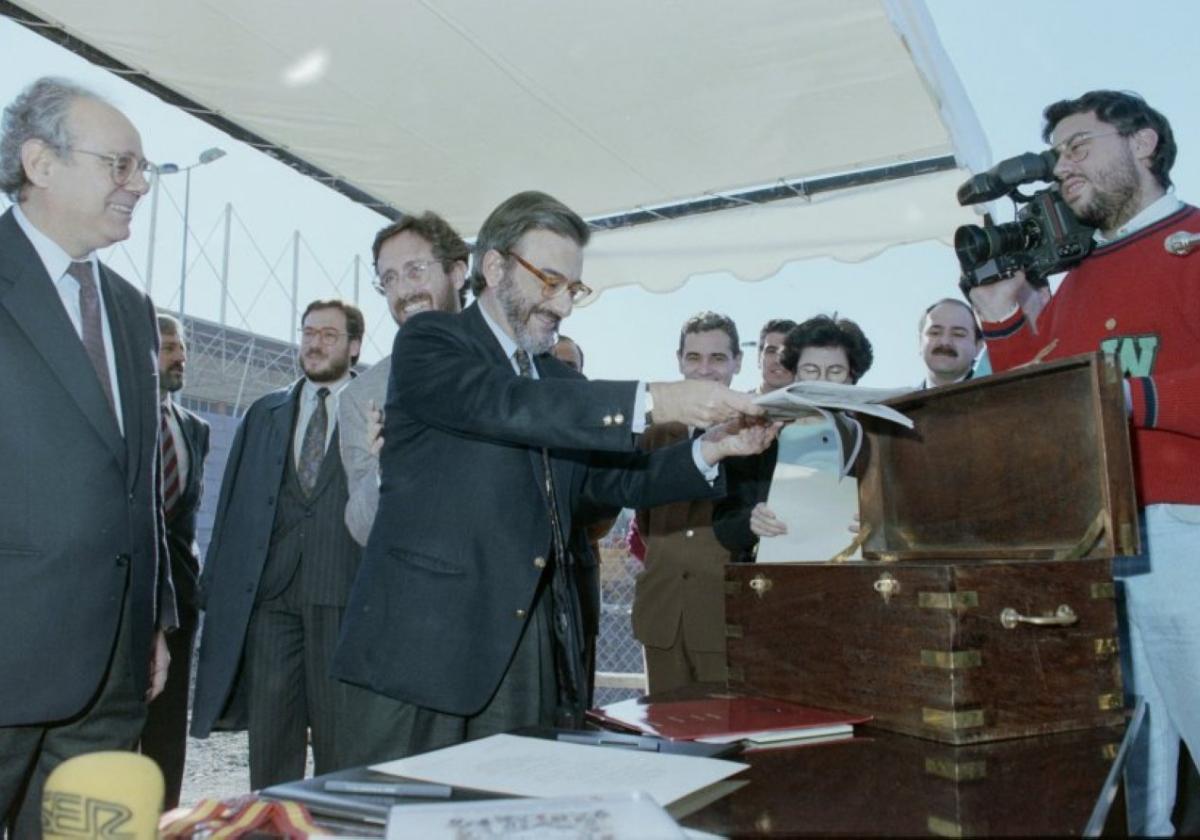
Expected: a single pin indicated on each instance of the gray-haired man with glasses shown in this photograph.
(85, 587)
(465, 613)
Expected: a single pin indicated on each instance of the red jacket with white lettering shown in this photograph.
(1132, 299)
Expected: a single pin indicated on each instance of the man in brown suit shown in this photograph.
(678, 603)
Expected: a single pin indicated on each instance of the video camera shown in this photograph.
(1045, 239)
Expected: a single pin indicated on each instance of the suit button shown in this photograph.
(607, 420)
(271, 499)
(520, 613)
(618, 418)
(122, 559)
(540, 562)
(686, 575)
(689, 533)
(131, 497)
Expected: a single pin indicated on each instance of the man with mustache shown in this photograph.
(183, 438)
(280, 565)
(420, 265)
(85, 585)
(951, 340)
(466, 609)
(1132, 299)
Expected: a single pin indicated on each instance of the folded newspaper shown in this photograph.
(807, 399)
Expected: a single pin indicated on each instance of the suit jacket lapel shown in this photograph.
(133, 361)
(28, 293)
(494, 353)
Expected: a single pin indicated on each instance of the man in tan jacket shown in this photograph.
(678, 604)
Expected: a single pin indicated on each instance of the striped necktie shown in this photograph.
(93, 332)
(171, 486)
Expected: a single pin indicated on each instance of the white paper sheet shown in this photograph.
(804, 399)
(539, 767)
(809, 493)
(627, 816)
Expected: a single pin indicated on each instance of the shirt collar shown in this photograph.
(309, 391)
(1155, 211)
(53, 257)
(507, 344)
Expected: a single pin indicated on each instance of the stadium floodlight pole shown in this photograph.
(207, 156)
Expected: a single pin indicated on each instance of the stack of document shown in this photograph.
(807, 399)
(723, 718)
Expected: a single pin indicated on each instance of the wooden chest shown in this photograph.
(985, 606)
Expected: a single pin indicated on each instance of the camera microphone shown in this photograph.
(1181, 243)
(1006, 175)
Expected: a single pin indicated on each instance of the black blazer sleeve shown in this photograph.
(748, 481)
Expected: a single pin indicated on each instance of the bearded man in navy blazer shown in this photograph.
(85, 591)
(184, 443)
(464, 612)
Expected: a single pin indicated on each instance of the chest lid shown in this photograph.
(1033, 463)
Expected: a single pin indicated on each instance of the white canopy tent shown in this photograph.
(628, 111)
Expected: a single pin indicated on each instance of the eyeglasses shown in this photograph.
(833, 373)
(552, 284)
(326, 336)
(1075, 149)
(123, 165)
(412, 271)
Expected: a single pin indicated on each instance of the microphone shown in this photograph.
(103, 794)
(1181, 243)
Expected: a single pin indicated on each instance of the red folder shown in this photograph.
(721, 717)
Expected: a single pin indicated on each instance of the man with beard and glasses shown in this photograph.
(280, 566)
(465, 607)
(951, 340)
(1133, 299)
(420, 264)
(183, 438)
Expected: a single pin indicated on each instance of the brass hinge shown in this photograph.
(956, 771)
(1105, 589)
(951, 660)
(939, 827)
(949, 719)
(1127, 541)
(1110, 702)
(1106, 647)
(948, 600)
(733, 631)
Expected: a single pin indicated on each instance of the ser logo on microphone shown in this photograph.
(72, 815)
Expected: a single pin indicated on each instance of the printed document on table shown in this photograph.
(538, 767)
(631, 816)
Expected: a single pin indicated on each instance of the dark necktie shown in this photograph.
(170, 466)
(564, 606)
(312, 449)
(93, 332)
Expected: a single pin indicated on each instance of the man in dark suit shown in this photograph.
(465, 606)
(183, 440)
(85, 590)
(280, 563)
(951, 341)
(679, 600)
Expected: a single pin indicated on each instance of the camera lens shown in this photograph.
(976, 245)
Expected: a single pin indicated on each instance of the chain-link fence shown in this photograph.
(620, 671)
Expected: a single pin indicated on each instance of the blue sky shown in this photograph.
(1012, 57)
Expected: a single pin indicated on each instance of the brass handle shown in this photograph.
(760, 584)
(886, 586)
(1064, 616)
